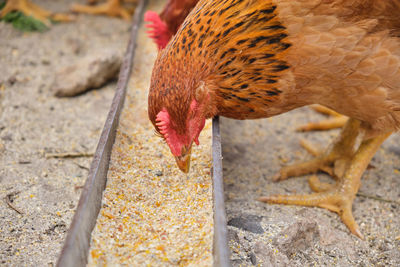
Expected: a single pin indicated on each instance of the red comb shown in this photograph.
(158, 29)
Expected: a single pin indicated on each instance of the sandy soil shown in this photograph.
(33, 122)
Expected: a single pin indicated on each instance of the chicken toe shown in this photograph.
(30, 9)
(111, 8)
(336, 120)
(332, 200)
(317, 186)
(332, 162)
(339, 197)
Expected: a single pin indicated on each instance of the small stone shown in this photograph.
(46, 61)
(297, 237)
(158, 173)
(268, 256)
(7, 137)
(237, 262)
(250, 223)
(394, 150)
(12, 79)
(232, 235)
(253, 258)
(90, 72)
(75, 45)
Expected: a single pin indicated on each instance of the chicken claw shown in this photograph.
(111, 8)
(334, 200)
(317, 186)
(336, 121)
(337, 197)
(337, 155)
(30, 9)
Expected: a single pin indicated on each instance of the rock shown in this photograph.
(328, 234)
(75, 45)
(233, 236)
(333, 241)
(7, 137)
(93, 71)
(297, 237)
(268, 256)
(238, 262)
(253, 258)
(394, 150)
(12, 79)
(250, 223)
(158, 173)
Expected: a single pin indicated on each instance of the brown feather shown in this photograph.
(175, 12)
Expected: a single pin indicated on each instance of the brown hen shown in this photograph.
(248, 59)
(165, 25)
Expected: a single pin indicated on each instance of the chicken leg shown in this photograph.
(338, 155)
(338, 197)
(111, 8)
(336, 120)
(30, 9)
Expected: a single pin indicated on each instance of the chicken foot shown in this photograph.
(338, 197)
(339, 155)
(30, 9)
(111, 8)
(336, 120)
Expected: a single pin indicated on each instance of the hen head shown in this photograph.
(178, 111)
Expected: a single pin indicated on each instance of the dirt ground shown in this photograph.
(34, 123)
(277, 235)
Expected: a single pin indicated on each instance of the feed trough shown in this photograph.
(126, 147)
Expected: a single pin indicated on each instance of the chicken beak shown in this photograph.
(183, 160)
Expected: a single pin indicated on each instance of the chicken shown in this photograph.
(336, 120)
(249, 59)
(30, 9)
(168, 22)
(163, 27)
(111, 8)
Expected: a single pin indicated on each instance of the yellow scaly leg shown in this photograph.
(339, 154)
(30, 9)
(336, 120)
(111, 8)
(339, 197)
